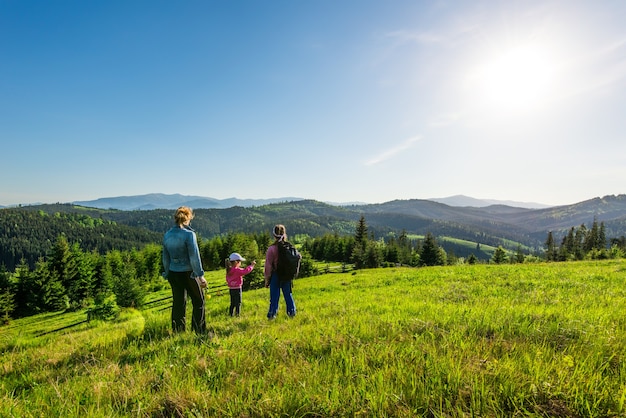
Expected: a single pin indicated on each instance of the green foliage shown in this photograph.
(499, 256)
(104, 309)
(580, 243)
(431, 254)
(485, 340)
(7, 295)
(70, 277)
(127, 285)
(29, 234)
(40, 290)
(331, 247)
(308, 266)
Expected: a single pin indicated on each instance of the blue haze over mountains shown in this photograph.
(173, 201)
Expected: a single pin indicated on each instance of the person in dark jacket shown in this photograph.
(183, 270)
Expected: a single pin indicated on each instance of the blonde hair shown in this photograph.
(230, 264)
(183, 215)
(280, 232)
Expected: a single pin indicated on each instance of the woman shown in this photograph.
(271, 277)
(183, 269)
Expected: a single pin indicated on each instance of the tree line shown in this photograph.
(69, 277)
(363, 250)
(28, 235)
(584, 243)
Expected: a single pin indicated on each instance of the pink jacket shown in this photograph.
(271, 260)
(234, 277)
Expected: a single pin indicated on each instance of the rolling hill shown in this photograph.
(491, 225)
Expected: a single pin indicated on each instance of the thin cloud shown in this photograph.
(393, 151)
(407, 36)
(446, 119)
(447, 37)
(614, 71)
(596, 70)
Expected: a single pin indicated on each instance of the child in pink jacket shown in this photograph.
(234, 279)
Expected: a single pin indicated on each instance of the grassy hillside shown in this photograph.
(482, 340)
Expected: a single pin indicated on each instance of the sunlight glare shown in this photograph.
(518, 79)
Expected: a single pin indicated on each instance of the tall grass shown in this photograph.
(482, 340)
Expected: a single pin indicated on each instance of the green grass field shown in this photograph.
(483, 340)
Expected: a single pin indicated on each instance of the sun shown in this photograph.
(515, 80)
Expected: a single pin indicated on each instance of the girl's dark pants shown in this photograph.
(182, 285)
(235, 302)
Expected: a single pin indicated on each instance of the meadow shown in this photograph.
(544, 339)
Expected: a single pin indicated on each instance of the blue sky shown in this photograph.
(339, 101)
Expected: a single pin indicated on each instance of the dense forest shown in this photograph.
(27, 235)
(71, 260)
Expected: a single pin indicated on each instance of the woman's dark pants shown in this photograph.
(184, 285)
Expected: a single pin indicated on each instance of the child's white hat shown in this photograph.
(236, 257)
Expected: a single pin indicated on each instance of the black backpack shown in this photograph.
(288, 261)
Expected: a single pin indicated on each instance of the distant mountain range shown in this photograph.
(466, 201)
(173, 201)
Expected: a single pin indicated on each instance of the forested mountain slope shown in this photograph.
(534, 223)
(100, 229)
(30, 234)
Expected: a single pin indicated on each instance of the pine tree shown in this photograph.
(360, 235)
(7, 295)
(568, 246)
(42, 290)
(431, 254)
(593, 237)
(579, 242)
(550, 247)
(499, 255)
(602, 236)
(81, 273)
(519, 255)
(22, 281)
(373, 255)
(359, 252)
(59, 260)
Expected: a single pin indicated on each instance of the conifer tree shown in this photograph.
(550, 247)
(359, 252)
(499, 255)
(81, 273)
(360, 235)
(593, 237)
(7, 294)
(59, 260)
(519, 255)
(43, 290)
(568, 246)
(431, 254)
(602, 236)
(22, 279)
(373, 254)
(579, 242)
